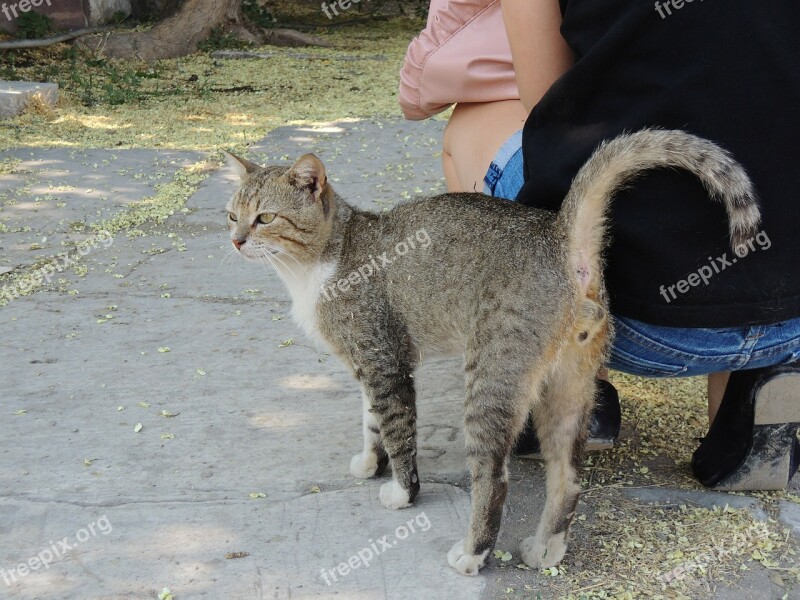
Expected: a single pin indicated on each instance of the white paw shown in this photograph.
(537, 555)
(394, 496)
(466, 564)
(364, 466)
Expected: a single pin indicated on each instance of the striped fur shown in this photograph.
(518, 291)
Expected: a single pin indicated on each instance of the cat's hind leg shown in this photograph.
(373, 459)
(561, 418)
(495, 413)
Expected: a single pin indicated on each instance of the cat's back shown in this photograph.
(480, 228)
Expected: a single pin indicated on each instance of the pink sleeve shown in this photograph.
(462, 55)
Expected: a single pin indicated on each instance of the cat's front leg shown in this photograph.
(373, 460)
(393, 402)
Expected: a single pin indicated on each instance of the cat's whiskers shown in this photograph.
(282, 252)
(274, 262)
(275, 254)
(229, 254)
(267, 260)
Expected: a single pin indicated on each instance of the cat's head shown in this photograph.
(279, 213)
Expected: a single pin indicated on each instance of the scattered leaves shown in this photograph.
(166, 594)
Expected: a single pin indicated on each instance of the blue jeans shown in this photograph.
(505, 177)
(655, 351)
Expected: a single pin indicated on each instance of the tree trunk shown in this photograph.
(175, 36)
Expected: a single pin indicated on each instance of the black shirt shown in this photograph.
(726, 70)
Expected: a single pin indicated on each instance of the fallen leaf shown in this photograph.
(231, 555)
(166, 594)
(504, 556)
(138, 428)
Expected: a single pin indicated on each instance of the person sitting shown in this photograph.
(586, 71)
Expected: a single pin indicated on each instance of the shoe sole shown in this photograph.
(769, 463)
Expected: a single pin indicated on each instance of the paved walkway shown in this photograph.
(164, 423)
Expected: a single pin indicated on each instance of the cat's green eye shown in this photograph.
(232, 216)
(266, 218)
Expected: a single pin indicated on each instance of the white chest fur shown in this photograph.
(305, 286)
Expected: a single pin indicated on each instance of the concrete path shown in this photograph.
(165, 425)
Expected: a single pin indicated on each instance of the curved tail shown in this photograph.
(616, 162)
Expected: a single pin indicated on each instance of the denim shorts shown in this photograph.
(656, 351)
(504, 177)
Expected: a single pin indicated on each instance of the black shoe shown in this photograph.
(603, 431)
(752, 443)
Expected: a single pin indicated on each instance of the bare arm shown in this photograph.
(538, 50)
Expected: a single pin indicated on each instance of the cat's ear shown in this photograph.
(242, 166)
(308, 173)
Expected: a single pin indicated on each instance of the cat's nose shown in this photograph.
(238, 243)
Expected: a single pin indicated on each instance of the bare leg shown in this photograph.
(717, 382)
(474, 134)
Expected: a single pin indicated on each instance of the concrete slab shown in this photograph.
(242, 548)
(702, 499)
(53, 196)
(789, 514)
(15, 96)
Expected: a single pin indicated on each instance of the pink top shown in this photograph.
(462, 55)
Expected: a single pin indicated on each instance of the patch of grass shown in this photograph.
(201, 103)
(220, 40)
(257, 14)
(32, 25)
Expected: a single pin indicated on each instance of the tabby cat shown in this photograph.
(517, 291)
